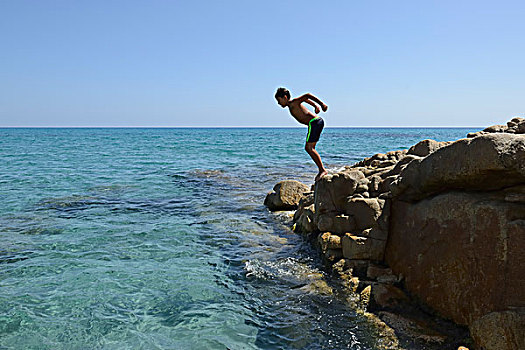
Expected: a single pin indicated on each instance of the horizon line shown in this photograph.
(232, 127)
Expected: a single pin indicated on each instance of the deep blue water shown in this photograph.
(158, 238)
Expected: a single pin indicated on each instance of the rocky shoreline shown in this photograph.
(438, 229)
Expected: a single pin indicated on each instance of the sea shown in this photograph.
(157, 238)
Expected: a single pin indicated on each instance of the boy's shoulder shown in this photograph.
(297, 100)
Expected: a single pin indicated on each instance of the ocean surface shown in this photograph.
(158, 238)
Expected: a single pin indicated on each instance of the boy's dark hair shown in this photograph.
(281, 92)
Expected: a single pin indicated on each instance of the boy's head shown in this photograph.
(282, 96)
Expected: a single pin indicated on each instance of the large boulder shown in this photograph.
(487, 162)
(285, 195)
(461, 253)
(332, 190)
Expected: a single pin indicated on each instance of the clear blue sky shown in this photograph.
(218, 63)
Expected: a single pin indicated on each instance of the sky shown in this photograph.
(218, 63)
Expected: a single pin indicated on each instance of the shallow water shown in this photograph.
(158, 239)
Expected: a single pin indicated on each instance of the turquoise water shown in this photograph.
(158, 239)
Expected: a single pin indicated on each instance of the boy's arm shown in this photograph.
(309, 97)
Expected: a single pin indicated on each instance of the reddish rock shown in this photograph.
(460, 253)
(484, 163)
(362, 248)
(331, 191)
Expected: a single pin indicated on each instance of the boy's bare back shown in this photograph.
(300, 112)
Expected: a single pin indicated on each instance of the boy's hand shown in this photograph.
(317, 110)
(324, 107)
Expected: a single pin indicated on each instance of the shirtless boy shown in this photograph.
(306, 117)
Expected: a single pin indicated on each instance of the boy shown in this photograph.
(304, 116)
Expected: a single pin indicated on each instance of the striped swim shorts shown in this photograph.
(315, 126)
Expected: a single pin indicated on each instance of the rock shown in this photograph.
(425, 147)
(373, 185)
(500, 331)
(402, 164)
(362, 186)
(412, 328)
(285, 195)
(384, 185)
(333, 254)
(386, 163)
(496, 128)
(366, 211)
(318, 286)
(331, 191)
(374, 232)
(476, 134)
(386, 195)
(374, 271)
(364, 297)
(305, 222)
(336, 224)
(464, 262)
(363, 248)
(329, 241)
(520, 129)
(387, 296)
(487, 162)
(357, 267)
(517, 125)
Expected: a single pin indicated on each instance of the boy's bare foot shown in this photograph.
(320, 175)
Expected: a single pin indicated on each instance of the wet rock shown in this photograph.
(304, 223)
(416, 330)
(285, 195)
(329, 241)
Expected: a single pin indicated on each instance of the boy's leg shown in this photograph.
(310, 149)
